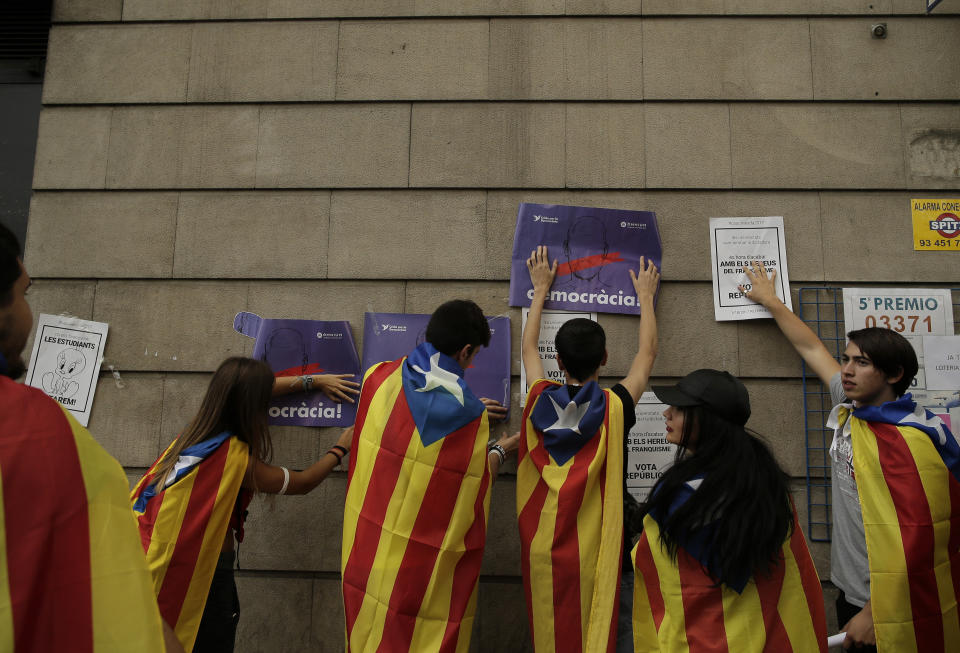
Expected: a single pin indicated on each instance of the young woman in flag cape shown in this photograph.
(721, 564)
(192, 502)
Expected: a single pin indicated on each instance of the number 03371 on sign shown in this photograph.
(936, 224)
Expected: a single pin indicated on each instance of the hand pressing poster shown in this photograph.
(65, 361)
(595, 250)
(734, 244)
(300, 347)
(389, 336)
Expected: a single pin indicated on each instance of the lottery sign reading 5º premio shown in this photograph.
(936, 224)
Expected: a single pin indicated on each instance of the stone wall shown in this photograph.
(300, 158)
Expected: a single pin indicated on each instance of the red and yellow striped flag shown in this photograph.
(906, 463)
(72, 574)
(183, 523)
(678, 606)
(570, 515)
(415, 518)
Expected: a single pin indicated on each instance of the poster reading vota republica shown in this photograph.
(300, 347)
(65, 361)
(648, 452)
(734, 244)
(911, 312)
(389, 336)
(595, 250)
(550, 323)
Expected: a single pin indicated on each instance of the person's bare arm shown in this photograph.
(541, 274)
(860, 629)
(509, 443)
(170, 642)
(803, 339)
(335, 386)
(645, 283)
(269, 478)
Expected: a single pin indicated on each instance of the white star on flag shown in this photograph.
(568, 417)
(437, 377)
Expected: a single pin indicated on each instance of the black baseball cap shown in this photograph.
(721, 392)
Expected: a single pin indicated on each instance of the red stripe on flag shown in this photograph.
(183, 561)
(148, 519)
(651, 579)
(587, 262)
(769, 586)
(383, 480)
(468, 568)
(702, 606)
(916, 530)
(47, 526)
(954, 541)
(565, 555)
(368, 392)
(811, 583)
(426, 538)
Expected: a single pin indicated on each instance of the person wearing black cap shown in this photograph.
(721, 558)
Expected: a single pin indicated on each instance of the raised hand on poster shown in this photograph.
(763, 287)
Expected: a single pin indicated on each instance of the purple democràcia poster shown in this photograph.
(298, 347)
(388, 336)
(595, 248)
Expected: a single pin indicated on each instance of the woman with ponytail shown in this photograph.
(721, 563)
(191, 504)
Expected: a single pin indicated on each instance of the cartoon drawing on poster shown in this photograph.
(911, 312)
(936, 224)
(389, 336)
(649, 454)
(65, 361)
(550, 323)
(734, 244)
(300, 347)
(594, 248)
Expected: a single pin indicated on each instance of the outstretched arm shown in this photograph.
(541, 274)
(270, 478)
(803, 339)
(335, 386)
(645, 283)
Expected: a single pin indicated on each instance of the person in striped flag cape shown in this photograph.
(418, 494)
(72, 574)
(895, 488)
(721, 564)
(191, 503)
(570, 479)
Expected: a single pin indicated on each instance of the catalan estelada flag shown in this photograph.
(907, 467)
(183, 522)
(72, 573)
(570, 514)
(415, 518)
(679, 606)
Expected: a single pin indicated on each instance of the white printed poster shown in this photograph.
(942, 357)
(734, 244)
(550, 323)
(648, 452)
(911, 312)
(65, 361)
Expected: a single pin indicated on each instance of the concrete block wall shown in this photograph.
(311, 159)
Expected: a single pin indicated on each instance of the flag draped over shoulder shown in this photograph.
(907, 467)
(183, 523)
(415, 517)
(72, 575)
(570, 515)
(678, 605)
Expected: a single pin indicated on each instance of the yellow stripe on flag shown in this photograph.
(673, 628)
(743, 619)
(6, 608)
(163, 539)
(645, 638)
(125, 615)
(792, 604)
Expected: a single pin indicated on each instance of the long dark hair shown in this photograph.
(744, 496)
(236, 401)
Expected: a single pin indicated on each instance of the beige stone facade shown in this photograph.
(320, 159)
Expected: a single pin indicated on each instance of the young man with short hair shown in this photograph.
(571, 487)
(895, 546)
(418, 493)
(75, 578)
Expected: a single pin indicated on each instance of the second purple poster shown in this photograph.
(388, 336)
(595, 249)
